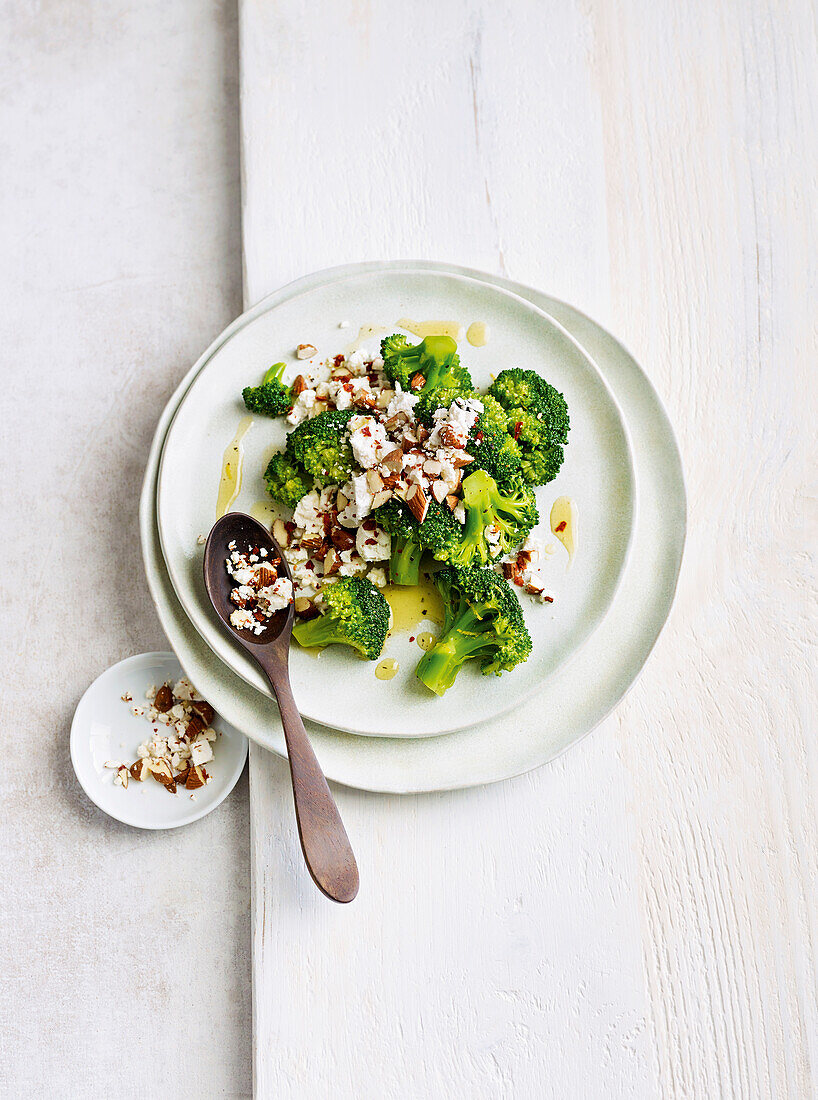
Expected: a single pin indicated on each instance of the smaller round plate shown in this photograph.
(104, 729)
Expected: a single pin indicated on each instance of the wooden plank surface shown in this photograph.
(638, 918)
(125, 955)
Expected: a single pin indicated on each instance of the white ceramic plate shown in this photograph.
(339, 689)
(573, 701)
(104, 729)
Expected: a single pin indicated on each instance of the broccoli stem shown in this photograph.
(274, 373)
(404, 564)
(439, 666)
(320, 631)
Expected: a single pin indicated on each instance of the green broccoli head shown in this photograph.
(435, 358)
(440, 533)
(355, 613)
(441, 397)
(286, 479)
(320, 446)
(483, 623)
(404, 563)
(540, 467)
(536, 419)
(497, 519)
(272, 397)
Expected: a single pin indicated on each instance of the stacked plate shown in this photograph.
(622, 470)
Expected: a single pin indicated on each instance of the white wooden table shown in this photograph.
(637, 919)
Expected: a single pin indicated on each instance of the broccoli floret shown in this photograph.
(354, 613)
(320, 446)
(435, 358)
(286, 480)
(494, 451)
(440, 533)
(540, 467)
(510, 512)
(536, 419)
(404, 563)
(272, 397)
(484, 622)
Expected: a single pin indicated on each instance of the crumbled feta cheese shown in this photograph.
(378, 577)
(360, 502)
(367, 437)
(276, 596)
(201, 751)
(308, 514)
(242, 619)
(452, 425)
(402, 403)
(302, 407)
(373, 545)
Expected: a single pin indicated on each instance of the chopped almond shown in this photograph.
(417, 381)
(196, 777)
(280, 533)
(298, 386)
(440, 491)
(393, 460)
(461, 460)
(164, 699)
(140, 770)
(305, 351)
(374, 481)
(418, 503)
(332, 562)
(452, 501)
(381, 498)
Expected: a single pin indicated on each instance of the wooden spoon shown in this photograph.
(324, 841)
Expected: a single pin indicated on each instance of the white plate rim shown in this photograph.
(400, 766)
(212, 633)
(226, 782)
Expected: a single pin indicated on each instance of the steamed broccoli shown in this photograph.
(435, 358)
(440, 533)
(536, 419)
(354, 613)
(497, 519)
(541, 466)
(272, 397)
(286, 480)
(404, 563)
(320, 446)
(483, 623)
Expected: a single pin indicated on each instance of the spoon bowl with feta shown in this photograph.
(250, 586)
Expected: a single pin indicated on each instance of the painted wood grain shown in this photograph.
(638, 918)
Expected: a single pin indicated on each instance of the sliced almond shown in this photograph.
(374, 481)
(164, 699)
(440, 490)
(299, 385)
(381, 498)
(280, 533)
(417, 381)
(393, 460)
(418, 503)
(195, 778)
(332, 562)
(452, 501)
(306, 351)
(140, 770)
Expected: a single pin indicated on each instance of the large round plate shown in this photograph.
(573, 701)
(340, 690)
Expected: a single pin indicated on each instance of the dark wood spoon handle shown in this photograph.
(324, 842)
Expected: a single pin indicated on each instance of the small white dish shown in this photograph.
(104, 729)
(339, 690)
